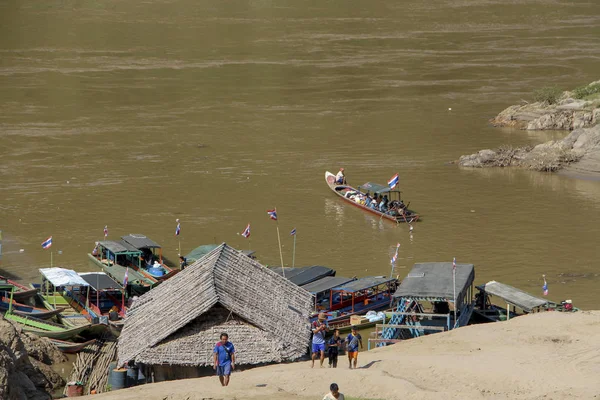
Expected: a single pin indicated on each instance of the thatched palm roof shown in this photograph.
(179, 321)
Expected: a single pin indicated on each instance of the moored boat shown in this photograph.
(396, 211)
(46, 328)
(25, 310)
(356, 297)
(20, 292)
(71, 347)
(517, 303)
(151, 262)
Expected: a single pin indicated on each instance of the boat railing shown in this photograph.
(75, 298)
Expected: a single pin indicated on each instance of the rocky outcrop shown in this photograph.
(568, 114)
(565, 113)
(25, 375)
(580, 150)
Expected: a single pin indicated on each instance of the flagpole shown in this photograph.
(294, 252)
(51, 258)
(454, 287)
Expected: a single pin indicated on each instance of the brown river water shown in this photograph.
(133, 114)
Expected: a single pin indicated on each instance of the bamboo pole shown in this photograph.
(294, 251)
(279, 241)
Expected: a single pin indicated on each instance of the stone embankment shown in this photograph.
(25, 361)
(580, 150)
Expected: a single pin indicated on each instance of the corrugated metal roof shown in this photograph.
(364, 283)
(326, 283)
(140, 241)
(434, 279)
(304, 275)
(100, 281)
(118, 247)
(512, 295)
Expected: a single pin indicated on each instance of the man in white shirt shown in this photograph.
(334, 393)
(340, 178)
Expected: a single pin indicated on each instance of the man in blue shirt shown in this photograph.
(224, 359)
(352, 342)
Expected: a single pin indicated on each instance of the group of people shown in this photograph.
(224, 358)
(334, 344)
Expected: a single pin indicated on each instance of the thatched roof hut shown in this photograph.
(178, 322)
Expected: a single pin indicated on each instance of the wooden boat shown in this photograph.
(70, 347)
(517, 302)
(45, 328)
(434, 297)
(20, 292)
(398, 212)
(28, 311)
(133, 251)
(357, 297)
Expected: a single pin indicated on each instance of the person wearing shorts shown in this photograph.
(352, 342)
(224, 359)
(319, 328)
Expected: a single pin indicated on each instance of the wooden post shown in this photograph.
(279, 241)
(294, 252)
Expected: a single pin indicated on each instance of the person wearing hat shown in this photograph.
(319, 328)
(334, 393)
(340, 178)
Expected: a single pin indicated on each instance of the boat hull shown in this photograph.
(28, 311)
(70, 347)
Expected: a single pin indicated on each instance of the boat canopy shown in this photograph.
(433, 281)
(140, 241)
(326, 283)
(203, 250)
(120, 247)
(512, 295)
(62, 277)
(363, 283)
(376, 188)
(100, 281)
(304, 275)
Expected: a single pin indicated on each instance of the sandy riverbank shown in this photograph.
(543, 356)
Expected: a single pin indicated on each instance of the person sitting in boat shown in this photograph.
(368, 200)
(156, 264)
(340, 178)
(383, 204)
(182, 262)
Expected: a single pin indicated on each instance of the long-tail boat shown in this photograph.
(151, 262)
(373, 293)
(46, 328)
(20, 292)
(25, 310)
(71, 347)
(397, 211)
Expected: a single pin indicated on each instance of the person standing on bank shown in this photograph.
(333, 347)
(319, 328)
(224, 359)
(352, 341)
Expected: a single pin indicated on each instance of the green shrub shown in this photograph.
(549, 95)
(584, 91)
